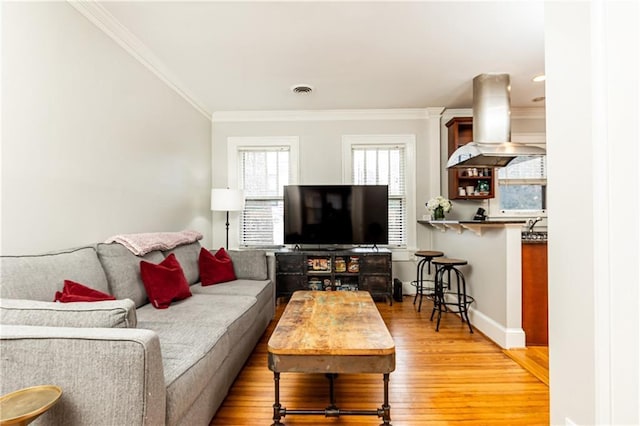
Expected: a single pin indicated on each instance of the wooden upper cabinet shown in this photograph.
(480, 180)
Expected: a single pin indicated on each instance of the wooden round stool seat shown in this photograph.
(445, 261)
(429, 253)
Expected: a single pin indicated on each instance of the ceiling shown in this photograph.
(246, 56)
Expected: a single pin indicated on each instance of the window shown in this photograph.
(374, 163)
(522, 186)
(262, 167)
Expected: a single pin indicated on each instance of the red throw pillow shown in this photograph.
(75, 292)
(215, 268)
(164, 282)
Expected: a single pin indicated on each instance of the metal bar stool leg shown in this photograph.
(438, 300)
(419, 281)
(464, 311)
(460, 301)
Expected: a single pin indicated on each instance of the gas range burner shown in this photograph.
(534, 236)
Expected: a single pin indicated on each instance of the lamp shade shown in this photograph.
(227, 200)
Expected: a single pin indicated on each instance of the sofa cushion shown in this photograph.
(187, 255)
(261, 290)
(215, 268)
(183, 344)
(164, 282)
(122, 269)
(249, 264)
(76, 292)
(200, 309)
(191, 355)
(38, 277)
(104, 314)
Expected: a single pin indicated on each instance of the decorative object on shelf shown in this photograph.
(438, 206)
(315, 284)
(480, 214)
(354, 265)
(483, 187)
(227, 200)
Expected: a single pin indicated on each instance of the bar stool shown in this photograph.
(426, 256)
(462, 301)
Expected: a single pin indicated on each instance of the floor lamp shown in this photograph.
(227, 200)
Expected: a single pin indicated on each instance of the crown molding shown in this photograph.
(108, 24)
(328, 115)
(520, 113)
(456, 112)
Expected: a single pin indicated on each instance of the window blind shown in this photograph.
(522, 186)
(384, 165)
(531, 168)
(263, 172)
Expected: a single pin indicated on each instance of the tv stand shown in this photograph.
(334, 269)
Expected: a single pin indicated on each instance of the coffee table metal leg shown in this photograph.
(386, 408)
(332, 410)
(278, 411)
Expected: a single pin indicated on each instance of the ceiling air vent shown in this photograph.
(302, 88)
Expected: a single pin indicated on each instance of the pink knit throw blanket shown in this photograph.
(141, 244)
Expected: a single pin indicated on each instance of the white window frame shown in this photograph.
(408, 141)
(535, 139)
(237, 143)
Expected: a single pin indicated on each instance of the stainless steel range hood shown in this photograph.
(491, 146)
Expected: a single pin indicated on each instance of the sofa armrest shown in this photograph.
(103, 314)
(271, 268)
(107, 375)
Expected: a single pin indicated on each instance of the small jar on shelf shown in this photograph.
(354, 264)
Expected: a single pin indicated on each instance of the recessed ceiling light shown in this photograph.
(301, 88)
(539, 78)
(538, 99)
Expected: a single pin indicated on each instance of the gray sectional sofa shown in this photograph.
(124, 362)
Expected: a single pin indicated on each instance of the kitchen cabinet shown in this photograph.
(535, 311)
(477, 183)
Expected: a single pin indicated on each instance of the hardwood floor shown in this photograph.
(534, 359)
(449, 377)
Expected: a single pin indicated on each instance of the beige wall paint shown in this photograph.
(93, 144)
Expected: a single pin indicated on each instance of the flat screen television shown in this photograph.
(336, 214)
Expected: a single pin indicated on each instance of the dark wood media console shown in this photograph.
(334, 270)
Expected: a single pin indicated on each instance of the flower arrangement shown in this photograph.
(438, 206)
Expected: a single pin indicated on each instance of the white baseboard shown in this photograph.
(506, 338)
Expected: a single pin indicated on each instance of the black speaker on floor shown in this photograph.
(397, 290)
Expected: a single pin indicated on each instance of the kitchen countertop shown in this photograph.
(476, 226)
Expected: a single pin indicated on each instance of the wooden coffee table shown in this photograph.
(331, 333)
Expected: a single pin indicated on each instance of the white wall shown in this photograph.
(493, 276)
(321, 151)
(592, 94)
(93, 144)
